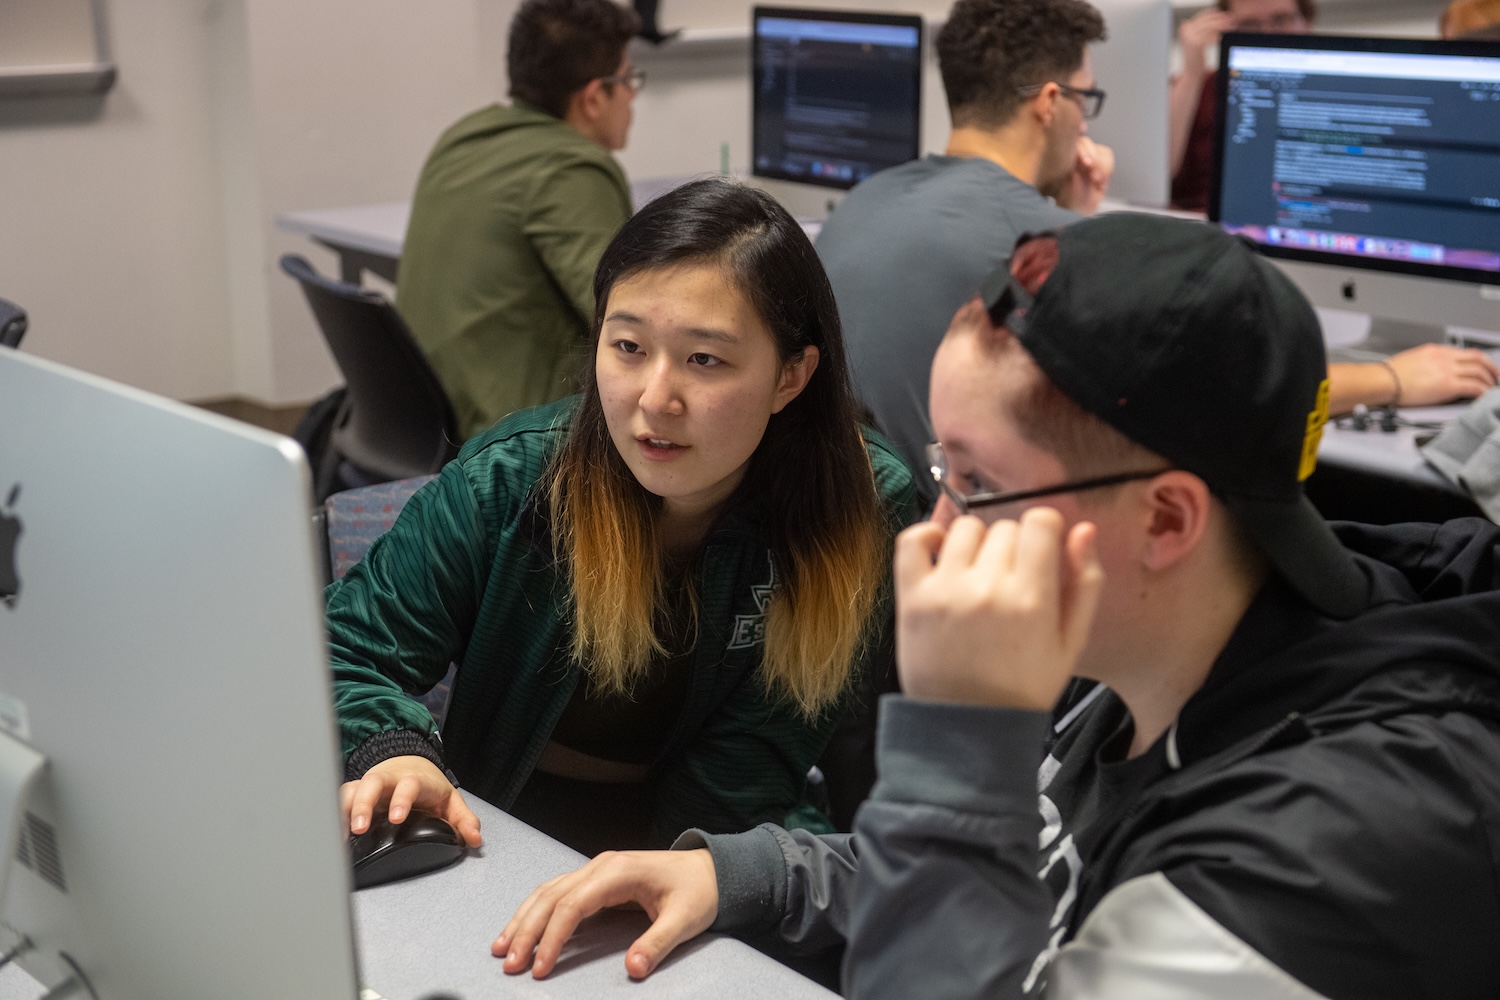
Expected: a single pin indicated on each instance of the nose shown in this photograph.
(660, 393)
(945, 511)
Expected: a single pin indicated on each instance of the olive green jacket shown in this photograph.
(467, 575)
(511, 214)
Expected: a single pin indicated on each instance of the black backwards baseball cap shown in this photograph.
(1192, 345)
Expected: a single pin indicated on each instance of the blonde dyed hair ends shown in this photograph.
(604, 530)
(810, 476)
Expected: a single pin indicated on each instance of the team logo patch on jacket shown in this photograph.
(750, 630)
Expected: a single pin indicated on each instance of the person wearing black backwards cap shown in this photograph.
(1266, 750)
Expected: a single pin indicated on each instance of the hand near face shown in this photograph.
(1086, 187)
(1201, 32)
(994, 615)
(678, 890)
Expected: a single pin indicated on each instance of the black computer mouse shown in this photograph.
(390, 851)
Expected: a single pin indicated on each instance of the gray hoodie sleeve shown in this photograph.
(946, 902)
(936, 891)
(792, 882)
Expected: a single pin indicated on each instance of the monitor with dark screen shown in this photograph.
(1379, 154)
(837, 95)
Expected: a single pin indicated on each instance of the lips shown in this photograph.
(659, 448)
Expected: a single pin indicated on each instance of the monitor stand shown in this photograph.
(1377, 313)
(1353, 336)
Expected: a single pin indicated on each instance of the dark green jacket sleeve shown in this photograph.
(404, 612)
(574, 211)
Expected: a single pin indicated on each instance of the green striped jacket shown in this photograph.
(466, 575)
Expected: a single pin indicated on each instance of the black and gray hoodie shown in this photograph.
(1322, 820)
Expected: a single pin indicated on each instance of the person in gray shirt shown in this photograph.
(907, 247)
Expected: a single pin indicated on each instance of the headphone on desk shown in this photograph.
(1386, 419)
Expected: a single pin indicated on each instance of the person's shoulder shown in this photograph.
(1371, 838)
(894, 479)
(559, 146)
(517, 450)
(976, 191)
(491, 119)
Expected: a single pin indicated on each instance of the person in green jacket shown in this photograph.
(659, 593)
(513, 208)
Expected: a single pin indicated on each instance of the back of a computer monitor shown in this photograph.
(1370, 169)
(161, 643)
(836, 97)
(1133, 66)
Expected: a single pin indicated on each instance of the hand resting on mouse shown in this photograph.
(401, 784)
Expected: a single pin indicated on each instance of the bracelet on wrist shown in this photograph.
(1396, 381)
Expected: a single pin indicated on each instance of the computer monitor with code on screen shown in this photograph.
(837, 94)
(1381, 155)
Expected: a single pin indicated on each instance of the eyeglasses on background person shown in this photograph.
(634, 78)
(1090, 99)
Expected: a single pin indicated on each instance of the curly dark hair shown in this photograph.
(558, 46)
(990, 49)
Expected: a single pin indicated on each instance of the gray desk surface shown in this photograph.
(432, 934)
(1394, 455)
(381, 229)
(375, 229)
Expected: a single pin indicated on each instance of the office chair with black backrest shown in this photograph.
(12, 324)
(396, 421)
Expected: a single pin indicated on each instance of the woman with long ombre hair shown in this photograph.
(658, 592)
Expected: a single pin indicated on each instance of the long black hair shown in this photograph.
(810, 474)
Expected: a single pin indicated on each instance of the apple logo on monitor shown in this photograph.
(10, 531)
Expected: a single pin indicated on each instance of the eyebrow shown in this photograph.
(697, 332)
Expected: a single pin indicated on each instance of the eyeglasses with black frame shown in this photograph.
(1090, 99)
(634, 78)
(937, 464)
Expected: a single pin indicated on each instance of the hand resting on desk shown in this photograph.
(1429, 375)
(401, 783)
(677, 889)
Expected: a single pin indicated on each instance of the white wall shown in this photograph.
(347, 98)
(138, 232)
(110, 233)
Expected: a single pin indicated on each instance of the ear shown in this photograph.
(795, 375)
(587, 102)
(1044, 104)
(1177, 512)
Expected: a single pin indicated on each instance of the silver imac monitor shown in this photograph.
(168, 764)
(1133, 66)
(836, 96)
(1370, 168)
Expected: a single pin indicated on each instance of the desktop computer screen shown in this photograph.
(1380, 154)
(837, 95)
(162, 653)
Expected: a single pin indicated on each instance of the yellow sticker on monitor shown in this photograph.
(1316, 421)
